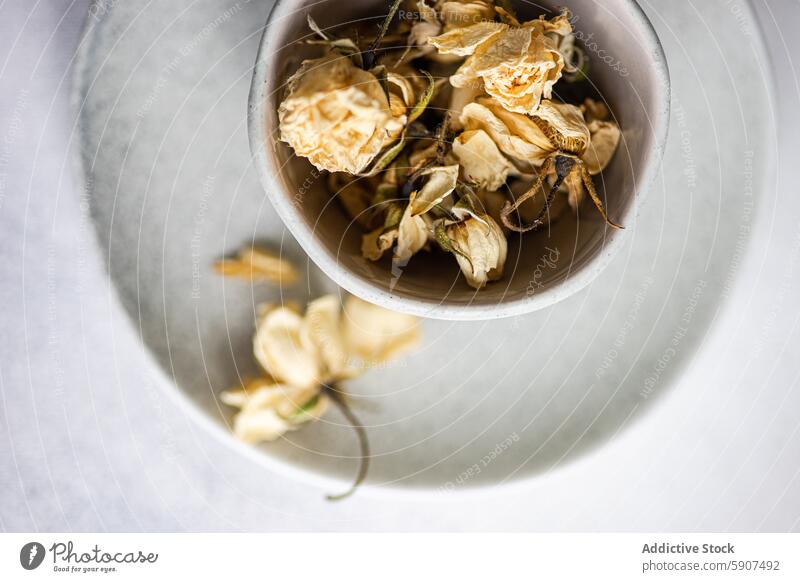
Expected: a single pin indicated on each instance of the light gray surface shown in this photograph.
(171, 187)
(91, 441)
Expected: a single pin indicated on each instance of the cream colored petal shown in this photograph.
(279, 348)
(460, 97)
(269, 411)
(462, 14)
(603, 144)
(337, 115)
(441, 181)
(375, 334)
(259, 425)
(322, 333)
(518, 68)
(518, 124)
(464, 41)
(258, 264)
(404, 87)
(482, 249)
(478, 116)
(565, 125)
(412, 235)
(507, 48)
(481, 160)
(374, 244)
(426, 27)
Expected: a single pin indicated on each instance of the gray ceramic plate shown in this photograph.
(162, 92)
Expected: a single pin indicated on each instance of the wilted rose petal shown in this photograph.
(280, 349)
(481, 160)
(375, 334)
(258, 264)
(529, 146)
(322, 330)
(441, 181)
(337, 115)
(564, 125)
(481, 249)
(464, 41)
(412, 235)
(269, 410)
(374, 244)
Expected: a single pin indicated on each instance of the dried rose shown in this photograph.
(518, 65)
(516, 135)
(338, 115)
(480, 247)
(481, 161)
(571, 163)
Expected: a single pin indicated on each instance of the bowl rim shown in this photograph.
(432, 308)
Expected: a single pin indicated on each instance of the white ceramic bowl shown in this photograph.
(627, 68)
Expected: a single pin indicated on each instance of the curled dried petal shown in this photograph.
(529, 145)
(375, 334)
(442, 181)
(412, 235)
(605, 136)
(258, 264)
(564, 126)
(322, 330)
(518, 67)
(279, 348)
(464, 41)
(269, 410)
(465, 13)
(375, 243)
(482, 249)
(481, 161)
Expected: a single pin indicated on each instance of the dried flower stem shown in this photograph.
(369, 54)
(363, 442)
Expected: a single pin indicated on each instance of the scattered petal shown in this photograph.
(258, 264)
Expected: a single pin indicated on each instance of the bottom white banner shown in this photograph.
(401, 557)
